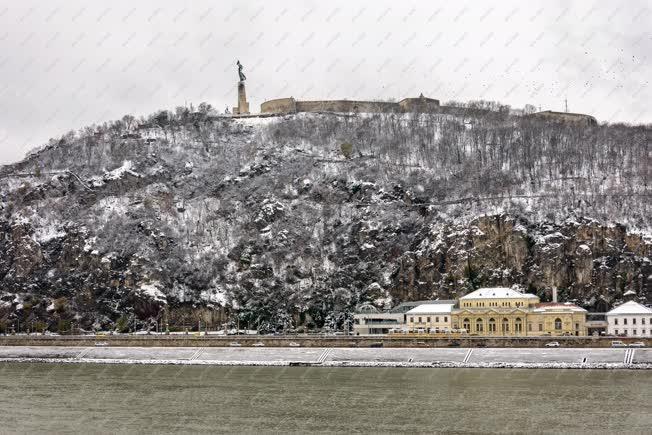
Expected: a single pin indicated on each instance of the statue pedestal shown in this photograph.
(243, 104)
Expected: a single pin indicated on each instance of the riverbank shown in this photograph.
(558, 358)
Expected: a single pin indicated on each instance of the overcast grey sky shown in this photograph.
(68, 64)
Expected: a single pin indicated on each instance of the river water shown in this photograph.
(88, 398)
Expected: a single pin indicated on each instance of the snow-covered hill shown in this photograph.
(294, 220)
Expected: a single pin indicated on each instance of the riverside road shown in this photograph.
(329, 356)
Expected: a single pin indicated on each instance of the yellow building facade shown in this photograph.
(552, 318)
(506, 312)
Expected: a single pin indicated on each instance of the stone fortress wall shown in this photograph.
(420, 104)
(290, 105)
(280, 105)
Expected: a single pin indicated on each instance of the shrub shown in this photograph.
(346, 149)
(63, 326)
(122, 325)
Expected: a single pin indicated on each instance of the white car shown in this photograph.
(552, 344)
(637, 344)
(618, 343)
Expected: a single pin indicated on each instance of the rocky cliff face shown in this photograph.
(592, 264)
(293, 221)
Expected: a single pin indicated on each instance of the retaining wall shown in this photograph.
(192, 340)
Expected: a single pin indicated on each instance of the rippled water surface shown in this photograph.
(90, 398)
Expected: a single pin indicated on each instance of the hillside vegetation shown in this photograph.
(292, 221)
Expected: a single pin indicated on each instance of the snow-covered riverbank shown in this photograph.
(567, 358)
(433, 364)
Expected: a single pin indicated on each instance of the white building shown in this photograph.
(430, 318)
(370, 320)
(631, 319)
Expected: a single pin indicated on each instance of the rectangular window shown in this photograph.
(624, 321)
(437, 319)
(615, 331)
(419, 319)
(411, 319)
(428, 319)
(634, 321)
(529, 327)
(540, 327)
(643, 321)
(633, 331)
(445, 319)
(615, 321)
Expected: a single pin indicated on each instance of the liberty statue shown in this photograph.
(240, 73)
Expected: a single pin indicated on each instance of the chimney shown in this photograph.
(554, 294)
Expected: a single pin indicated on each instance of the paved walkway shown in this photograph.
(417, 357)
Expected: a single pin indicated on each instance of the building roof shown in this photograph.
(404, 307)
(630, 307)
(431, 309)
(498, 293)
(366, 308)
(557, 306)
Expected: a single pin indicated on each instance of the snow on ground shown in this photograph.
(43, 234)
(153, 291)
(117, 173)
(234, 354)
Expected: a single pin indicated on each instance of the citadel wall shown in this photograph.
(290, 105)
(280, 105)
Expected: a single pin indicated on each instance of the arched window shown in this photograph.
(505, 326)
(518, 325)
(479, 327)
(466, 324)
(492, 325)
(558, 324)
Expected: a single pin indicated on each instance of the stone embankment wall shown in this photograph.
(192, 340)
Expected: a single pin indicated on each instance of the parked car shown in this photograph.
(618, 343)
(637, 344)
(293, 344)
(552, 344)
(259, 344)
